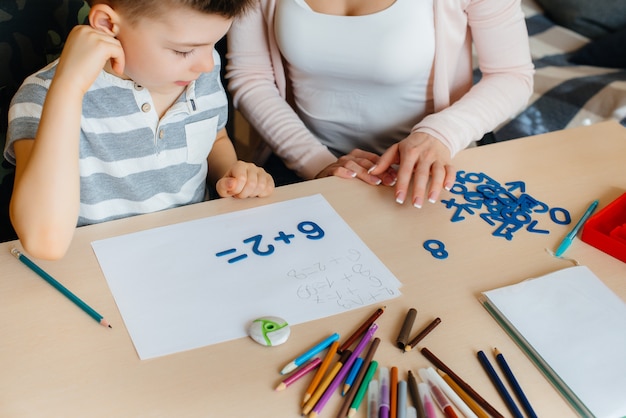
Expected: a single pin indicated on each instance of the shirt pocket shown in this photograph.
(200, 137)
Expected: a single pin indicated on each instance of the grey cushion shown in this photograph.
(590, 18)
(608, 51)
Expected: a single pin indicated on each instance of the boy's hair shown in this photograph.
(150, 8)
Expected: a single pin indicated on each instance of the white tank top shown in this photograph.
(359, 81)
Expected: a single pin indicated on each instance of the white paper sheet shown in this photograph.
(174, 293)
(577, 325)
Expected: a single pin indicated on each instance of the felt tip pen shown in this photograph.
(438, 395)
(428, 408)
(567, 241)
(373, 399)
(307, 355)
(383, 378)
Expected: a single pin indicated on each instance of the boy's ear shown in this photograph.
(103, 17)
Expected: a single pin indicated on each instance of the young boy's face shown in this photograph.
(165, 53)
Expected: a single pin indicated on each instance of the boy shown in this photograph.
(133, 122)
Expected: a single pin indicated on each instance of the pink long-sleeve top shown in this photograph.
(463, 112)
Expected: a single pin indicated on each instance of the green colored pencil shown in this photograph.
(363, 388)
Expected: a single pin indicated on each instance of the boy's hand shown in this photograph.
(85, 54)
(245, 180)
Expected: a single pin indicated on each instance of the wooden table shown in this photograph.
(55, 361)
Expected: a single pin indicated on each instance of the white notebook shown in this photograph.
(573, 327)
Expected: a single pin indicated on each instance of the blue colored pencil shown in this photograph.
(307, 355)
(514, 384)
(499, 385)
(352, 375)
(58, 286)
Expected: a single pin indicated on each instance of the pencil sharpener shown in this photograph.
(269, 331)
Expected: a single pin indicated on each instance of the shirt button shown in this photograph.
(138, 87)
(161, 134)
(146, 107)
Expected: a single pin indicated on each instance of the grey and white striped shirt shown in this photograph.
(130, 161)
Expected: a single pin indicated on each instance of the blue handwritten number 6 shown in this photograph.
(256, 240)
(311, 230)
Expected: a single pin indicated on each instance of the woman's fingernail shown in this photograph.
(372, 168)
(417, 202)
(400, 197)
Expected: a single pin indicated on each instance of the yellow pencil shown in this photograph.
(320, 372)
(463, 395)
(319, 391)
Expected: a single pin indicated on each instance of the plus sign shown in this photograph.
(286, 238)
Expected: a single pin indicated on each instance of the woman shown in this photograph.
(356, 88)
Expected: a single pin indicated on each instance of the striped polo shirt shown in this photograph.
(132, 162)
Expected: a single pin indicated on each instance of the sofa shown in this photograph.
(580, 64)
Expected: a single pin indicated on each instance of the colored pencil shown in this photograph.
(514, 384)
(495, 379)
(367, 337)
(423, 333)
(349, 397)
(299, 373)
(317, 378)
(58, 286)
(405, 330)
(361, 330)
(360, 394)
(463, 395)
(307, 355)
(352, 375)
(393, 392)
(324, 384)
(467, 388)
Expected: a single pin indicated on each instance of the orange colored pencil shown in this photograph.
(320, 372)
(319, 391)
(393, 393)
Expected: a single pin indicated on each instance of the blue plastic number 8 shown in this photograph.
(436, 248)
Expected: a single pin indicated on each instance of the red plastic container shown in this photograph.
(606, 230)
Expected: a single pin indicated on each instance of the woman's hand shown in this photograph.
(423, 159)
(357, 164)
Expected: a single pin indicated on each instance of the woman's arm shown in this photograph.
(257, 84)
(500, 37)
